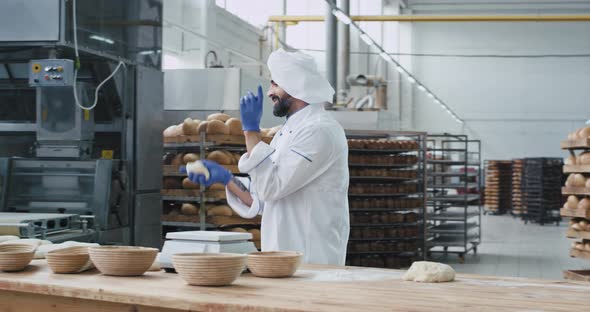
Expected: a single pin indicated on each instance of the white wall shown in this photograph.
(518, 107)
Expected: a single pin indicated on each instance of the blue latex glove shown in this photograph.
(251, 110)
(217, 174)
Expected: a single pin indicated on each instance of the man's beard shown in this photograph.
(281, 106)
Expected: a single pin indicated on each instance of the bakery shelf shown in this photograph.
(382, 151)
(382, 179)
(576, 144)
(580, 213)
(579, 254)
(452, 162)
(382, 165)
(454, 185)
(171, 193)
(575, 191)
(387, 225)
(576, 169)
(384, 195)
(578, 234)
(172, 171)
(452, 240)
(387, 239)
(452, 215)
(453, 228)
(211, 220)
(577, 275)
(467, 198)
(452, 222)
(385, 209)
(397, 253)
(452, 174)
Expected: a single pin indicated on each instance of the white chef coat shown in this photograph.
(299, 184)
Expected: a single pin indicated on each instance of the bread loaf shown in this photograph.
(172, 131)
(190, 126)
(221, 210)
(584, 159)
(584, 133)
(573, 201)
(221, 157)
(177, 160)
(189, 209)
(584, 204)
(218, 116)
(203, 127)
(578, 180)
(217, 127)
(197, 167)
(235, 126)
(571, 160)
(187, 184)
(255, 234)
(190, 157)
(238, 230)
(217, 187)
(237, 157)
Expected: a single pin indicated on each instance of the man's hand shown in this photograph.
(217, 174)
(251, 111)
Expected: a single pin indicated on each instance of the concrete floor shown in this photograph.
(511, 248)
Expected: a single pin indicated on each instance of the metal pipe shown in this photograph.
(343, 55)
(331, 44)
(439, 18)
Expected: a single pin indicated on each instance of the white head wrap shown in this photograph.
(298, 75)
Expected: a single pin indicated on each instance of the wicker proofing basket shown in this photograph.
(69, 260)
(15, 257)
(274, 263)
(209, 269)
(122, 260)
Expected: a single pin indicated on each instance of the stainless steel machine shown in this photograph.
(68, 172)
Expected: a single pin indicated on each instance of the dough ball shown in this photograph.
(429, 272)
(197, 167)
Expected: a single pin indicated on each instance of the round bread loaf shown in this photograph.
(218, 116)
(217, 187)
(187, 184)
(584, 204)
(578, 180)
(238, 230)
(255, 234)
(584, 158)
(217, 127)
(203, 127)
(172, 131)
(584, 133)
(189, 209)
(221, 210)
(571, 160)
(190, 157)
(235, 126)
(190, 126)
(221, 157)
(573, 201)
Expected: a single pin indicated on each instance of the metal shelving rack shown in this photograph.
(454, 184)
(201, 145)
(377, 244)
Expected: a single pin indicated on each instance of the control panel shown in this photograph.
(51, 73)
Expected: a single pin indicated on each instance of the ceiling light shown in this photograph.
(367, 39)
(430, 95)
(342, 17)
(421, 88)
(411, 79)
(103, 39)
(400, 69)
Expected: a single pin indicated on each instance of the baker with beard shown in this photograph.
(298, 182)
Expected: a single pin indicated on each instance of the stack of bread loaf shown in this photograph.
(580, 224)
(517, 174)
(579, 134)
(217, 123)
(577, 180)
(382, 172)
(581, 159)
(192, 211)
(364, 159)
(220, 156)
(584, 245)
(362, 188)
(385, 203)
(577, 202)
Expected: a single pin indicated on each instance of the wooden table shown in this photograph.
(315, 288)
